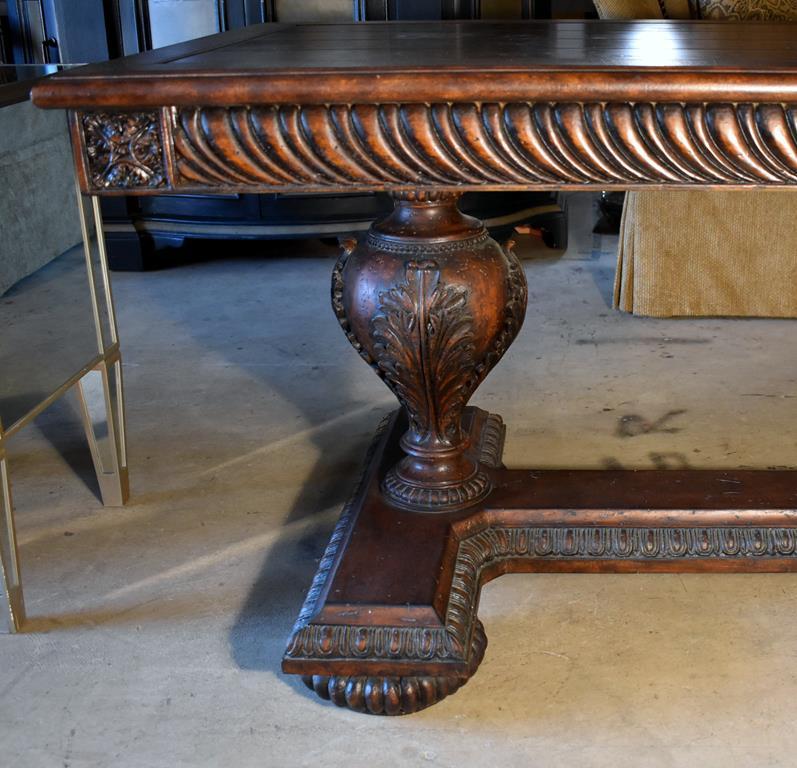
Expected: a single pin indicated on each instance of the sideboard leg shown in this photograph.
(431, 302)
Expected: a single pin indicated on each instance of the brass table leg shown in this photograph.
(98, 387)
(12, 604)
(109, 455)
(104, 380)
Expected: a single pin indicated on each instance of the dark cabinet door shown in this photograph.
(417, 10)
(77, 30)
(57, 32)
(140, 25)
(313, 10)
(402, 10)
(397, 10)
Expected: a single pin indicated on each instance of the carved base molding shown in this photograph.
(395, 695)
(390, 623)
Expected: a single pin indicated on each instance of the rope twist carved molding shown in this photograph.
(478, 145)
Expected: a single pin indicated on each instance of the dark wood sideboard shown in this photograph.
(431, 303)
(143, 232)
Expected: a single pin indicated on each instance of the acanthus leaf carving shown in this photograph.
(424, 349)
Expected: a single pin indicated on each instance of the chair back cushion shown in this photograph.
(726, 10)
(749, 10)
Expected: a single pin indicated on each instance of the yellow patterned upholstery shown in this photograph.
(749, 10)
(726, 10)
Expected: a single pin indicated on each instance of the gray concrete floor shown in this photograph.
(156, 630)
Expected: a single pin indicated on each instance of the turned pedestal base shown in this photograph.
(431, 303)
(390, 623)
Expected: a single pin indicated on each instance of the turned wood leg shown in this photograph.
(431, 302)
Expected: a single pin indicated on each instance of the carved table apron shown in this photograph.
(431, 302)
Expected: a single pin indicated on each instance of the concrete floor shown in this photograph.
(156, 630)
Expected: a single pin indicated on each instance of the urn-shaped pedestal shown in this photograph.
(431, 302)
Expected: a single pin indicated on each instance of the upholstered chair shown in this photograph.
(707, 252)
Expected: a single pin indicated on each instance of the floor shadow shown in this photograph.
(48, 336)
(62, 427)
(151, 611)
(264, 261)
(265, 313)
(603, 274)
(278, 592)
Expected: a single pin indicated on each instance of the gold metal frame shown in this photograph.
(11, 602)
(112, 474)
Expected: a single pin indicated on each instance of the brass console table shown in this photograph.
(95, 369)
(431, 303)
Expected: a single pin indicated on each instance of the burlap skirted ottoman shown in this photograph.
(706, 253)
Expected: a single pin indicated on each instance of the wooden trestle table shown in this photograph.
(431, 302)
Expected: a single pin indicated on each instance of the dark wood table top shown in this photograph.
(421, 61)
(466, 105)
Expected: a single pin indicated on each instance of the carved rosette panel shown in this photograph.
(124, 150)
(481, 145)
